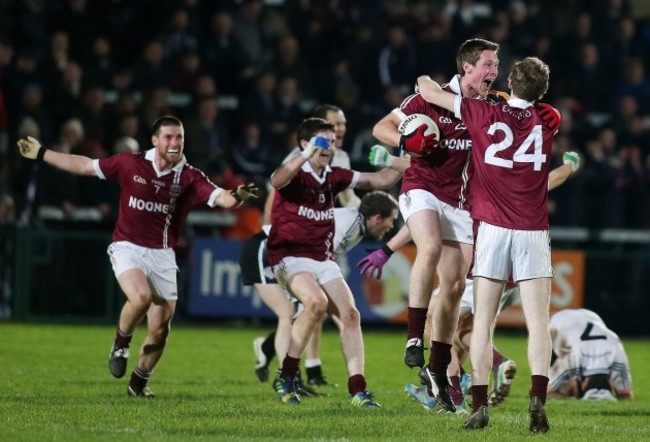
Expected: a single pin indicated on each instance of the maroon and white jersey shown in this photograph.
(444, 172)
(154, 204)
(511, 163)
(303, 214)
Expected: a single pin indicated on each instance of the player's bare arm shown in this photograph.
(434, 94)
(400, 164)
(268, 205)
(559, 175)
(233, 198)
(286, 172)
(624, 393)
(310, 149)
(400, 239)
(384, 179)
(227, 201)
(381, 157)
(386, 130)
(31, 148)
(348, 198)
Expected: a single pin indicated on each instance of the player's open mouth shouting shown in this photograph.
(486, 85)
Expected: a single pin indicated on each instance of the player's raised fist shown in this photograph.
(316, 143)
(380, 157)
(572, 159)
(29, 147)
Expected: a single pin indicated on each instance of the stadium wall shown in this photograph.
(48, 275)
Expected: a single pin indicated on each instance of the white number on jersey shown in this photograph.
(534, 138)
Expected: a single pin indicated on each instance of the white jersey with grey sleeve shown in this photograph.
(349, 229)
(585, 347)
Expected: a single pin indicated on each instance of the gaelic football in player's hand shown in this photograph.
(418, 143)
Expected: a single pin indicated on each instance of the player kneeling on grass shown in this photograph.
(158, 188)
(589, 361)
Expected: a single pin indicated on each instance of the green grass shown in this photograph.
(55, 385)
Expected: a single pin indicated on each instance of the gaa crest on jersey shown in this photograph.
(175, 190)
(138, 179)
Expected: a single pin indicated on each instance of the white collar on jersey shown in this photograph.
(306, 167)
(519, 103)
(454, 84)
(151, 156)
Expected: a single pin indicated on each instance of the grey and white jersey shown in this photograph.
(585, 347)
(349, 229)
(340, 158)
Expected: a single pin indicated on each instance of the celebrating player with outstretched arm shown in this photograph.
(158, 188)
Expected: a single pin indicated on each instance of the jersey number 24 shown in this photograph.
(533, 143)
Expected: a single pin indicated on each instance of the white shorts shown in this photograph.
(510, 294)
(500, 251)
(158, 265)
(467, 300)
(455, 224)
(323, 271)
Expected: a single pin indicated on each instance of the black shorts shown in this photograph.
(254, 262)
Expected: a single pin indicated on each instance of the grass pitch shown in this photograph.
(55, 385)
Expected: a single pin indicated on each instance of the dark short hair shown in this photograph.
(529, 78)
(165, 120)
(311, 126)
(378, 202)
(470, 51)
(321, 110)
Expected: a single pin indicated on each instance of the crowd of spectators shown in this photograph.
(90, 77)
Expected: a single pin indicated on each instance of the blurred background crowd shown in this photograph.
(90, 76)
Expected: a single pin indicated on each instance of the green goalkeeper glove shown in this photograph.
(380, 157)
(572, 159)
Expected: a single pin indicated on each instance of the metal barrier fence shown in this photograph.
(53, 275)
